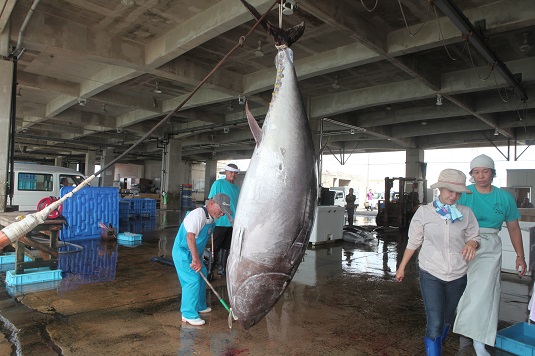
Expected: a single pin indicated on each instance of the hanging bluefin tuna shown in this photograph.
(278, 198)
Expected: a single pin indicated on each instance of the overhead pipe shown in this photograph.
(24, 24)
(456, 16)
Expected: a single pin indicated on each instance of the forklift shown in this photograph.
(399, 205)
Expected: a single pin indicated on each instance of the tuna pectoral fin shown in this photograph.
(255, 129)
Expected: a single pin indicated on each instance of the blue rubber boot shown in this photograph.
(445, 333)
(433, 347)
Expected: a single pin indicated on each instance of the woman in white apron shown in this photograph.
(477, 313)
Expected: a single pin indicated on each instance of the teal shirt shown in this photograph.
(233, 192)
(492, 209)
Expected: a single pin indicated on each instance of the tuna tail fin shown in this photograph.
(280, 36)
(255, 129)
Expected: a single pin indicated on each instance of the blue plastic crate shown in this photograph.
(32, 275)
(140, 225)
(124, 209)
(518, 339)
(128, 236)
(9, 258)
(86, 209)
(148, 207)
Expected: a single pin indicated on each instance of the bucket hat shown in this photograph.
(452, 179)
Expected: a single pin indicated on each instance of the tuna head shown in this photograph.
(277, 201)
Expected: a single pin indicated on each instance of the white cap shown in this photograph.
(482, 161)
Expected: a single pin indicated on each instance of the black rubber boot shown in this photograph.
(222, 269)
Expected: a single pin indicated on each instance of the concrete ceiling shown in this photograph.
(378, 69)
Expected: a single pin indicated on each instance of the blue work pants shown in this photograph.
(440, 301)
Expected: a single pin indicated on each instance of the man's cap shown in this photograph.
(231, 167)
(452, 179)
(224, 203)
(482, 161)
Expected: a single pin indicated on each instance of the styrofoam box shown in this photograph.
(518, 339)
(128, 236)
(32, 275)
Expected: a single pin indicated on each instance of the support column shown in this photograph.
(58, 161)
(172, 182)
(415, 167)
(6, 68)
(414, 163)
(210, 175)
(90, 158)
(108, 175)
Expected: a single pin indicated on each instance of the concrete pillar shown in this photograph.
(58, 161)
(414, 164)
(109, 174)
(4, 41)
(416, 168)
(90, 158)
(6, 68)
(172, 182)
(210, 175)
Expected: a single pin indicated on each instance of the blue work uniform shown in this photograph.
(193, 285)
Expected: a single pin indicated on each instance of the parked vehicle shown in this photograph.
(340, 195)
(374, 203)
(33, 182)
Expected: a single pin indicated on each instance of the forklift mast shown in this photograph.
(400, 202)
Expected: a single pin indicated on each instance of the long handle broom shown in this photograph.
(221, 300)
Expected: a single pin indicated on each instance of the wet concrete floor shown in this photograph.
(114, 301)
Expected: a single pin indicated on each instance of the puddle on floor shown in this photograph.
(342, 300)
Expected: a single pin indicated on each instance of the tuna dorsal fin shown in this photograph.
(280, 36)
(253, 125)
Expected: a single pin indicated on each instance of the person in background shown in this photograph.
(63, 182)
(449, 236)
(369, 197)
(477, 314)
(526, 204)
(223, 229)
(190, 242)
(350, 206)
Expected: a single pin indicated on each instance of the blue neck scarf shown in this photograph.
(448, 211)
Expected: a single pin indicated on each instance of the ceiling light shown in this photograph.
(226, 130)
(352, 131)
(496, 132)
(439, 99)
(526, 45)
(241, 99)
(154, 102)
(157, 88)
(288, 7)
(388, 108)
(230, 107)
(335, 85)
(82, 101)
(423, 123)
(258, 51)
